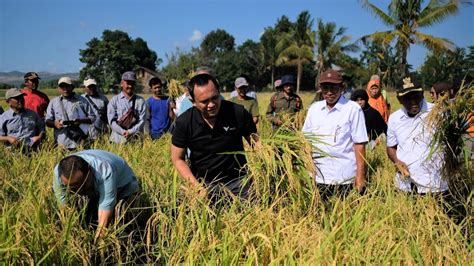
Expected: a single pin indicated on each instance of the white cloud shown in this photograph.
(197, 35)
(261, 33)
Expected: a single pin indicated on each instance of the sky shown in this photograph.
(46, 35)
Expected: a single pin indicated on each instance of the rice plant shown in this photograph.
(284, 222)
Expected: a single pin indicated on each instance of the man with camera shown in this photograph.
(98, 102)
(126, 112)
(71, 116)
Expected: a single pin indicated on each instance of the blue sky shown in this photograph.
(46, 35)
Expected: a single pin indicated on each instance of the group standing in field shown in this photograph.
(208, 132)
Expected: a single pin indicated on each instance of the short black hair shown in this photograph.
(154, 81)
(360, 93)
(201, 80)
(71, 164)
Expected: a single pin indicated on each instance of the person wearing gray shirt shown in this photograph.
(20, 126)
(98, 103)
(120, 104)
(71, 116)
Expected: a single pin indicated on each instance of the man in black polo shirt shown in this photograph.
(212, 130)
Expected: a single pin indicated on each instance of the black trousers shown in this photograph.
(328, 191)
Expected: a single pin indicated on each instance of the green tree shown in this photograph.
(250, 61)
(181, 64)
(379, 60)
(269, 41)
(297, 45)
(443, 67)
(216, 43)
(331, 47)
(406, 18)
(115, 53)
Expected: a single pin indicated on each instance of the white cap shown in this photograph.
(66, 80)
(89, 82)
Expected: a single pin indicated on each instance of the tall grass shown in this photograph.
(284, 223)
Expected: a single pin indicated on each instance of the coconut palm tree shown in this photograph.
(269, 40)
(406, 18)
(331, 46)
(296, 46)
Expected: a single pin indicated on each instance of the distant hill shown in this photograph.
(16, 78)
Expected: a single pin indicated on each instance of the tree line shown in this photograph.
(304, 47)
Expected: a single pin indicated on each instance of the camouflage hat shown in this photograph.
(31, 75)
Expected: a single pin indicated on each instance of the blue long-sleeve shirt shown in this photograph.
(113, 178)
(118, 105)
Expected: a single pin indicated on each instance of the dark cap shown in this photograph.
(31, 75)
(408, 84)
(331, 76)
(287, 79)
(129, 76)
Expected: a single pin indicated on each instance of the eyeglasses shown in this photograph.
(333, 88)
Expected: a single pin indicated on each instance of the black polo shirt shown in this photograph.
(209, 160)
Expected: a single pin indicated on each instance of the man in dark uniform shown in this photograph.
(284, 102)
(212, 130)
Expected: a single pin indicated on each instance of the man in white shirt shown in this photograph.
(336, 128)
(408, 143)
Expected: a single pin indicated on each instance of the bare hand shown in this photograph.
(359, 184)
(35, 139)
(403, 169)
(13, 140)
(126, 134)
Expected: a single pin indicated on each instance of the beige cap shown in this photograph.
(12, 93)
(89, 82)
(66, 80)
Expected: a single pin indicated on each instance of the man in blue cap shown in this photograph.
(284, 102)
(126, 112)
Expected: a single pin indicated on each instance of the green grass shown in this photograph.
(284, 224)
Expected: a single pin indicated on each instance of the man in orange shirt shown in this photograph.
(34, 99)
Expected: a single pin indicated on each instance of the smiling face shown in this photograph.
(207, 100)
(361, 102)
(157, 89)
(331, 92)
(128, 87)
(412, 102)
(65, 89)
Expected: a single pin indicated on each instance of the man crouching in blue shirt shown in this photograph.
(103, 177)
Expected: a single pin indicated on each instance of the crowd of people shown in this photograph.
(208, 132)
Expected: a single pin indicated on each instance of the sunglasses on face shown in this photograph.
(330, 87)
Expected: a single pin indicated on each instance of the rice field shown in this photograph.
(285, 223)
